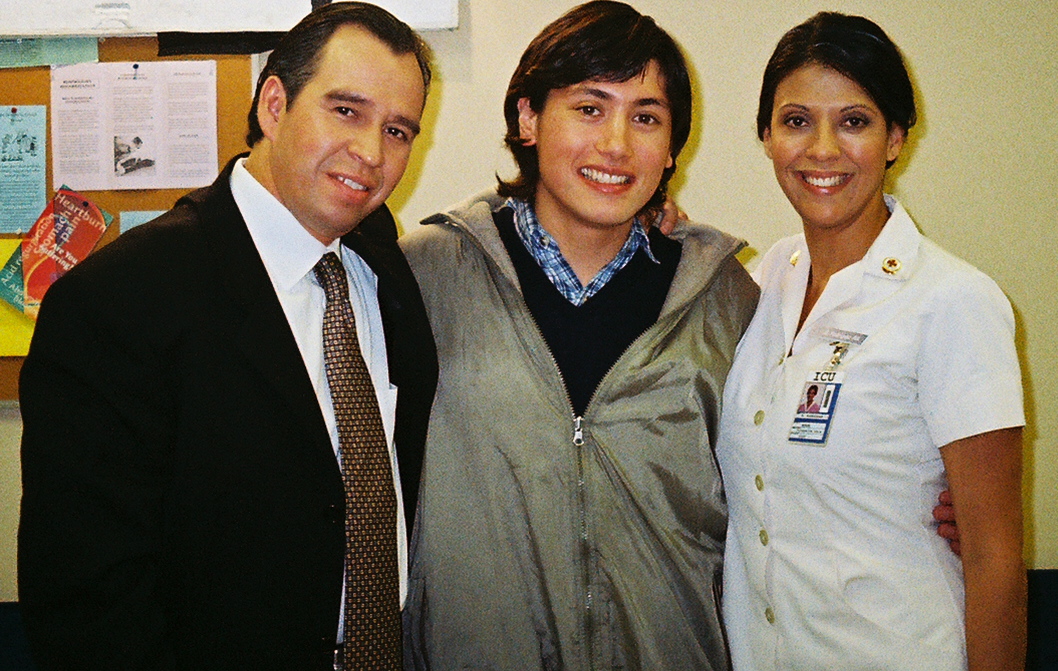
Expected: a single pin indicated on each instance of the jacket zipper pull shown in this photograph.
(578, 432)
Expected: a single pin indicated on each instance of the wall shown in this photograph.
(980, 175)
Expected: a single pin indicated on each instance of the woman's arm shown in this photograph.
(984, 474)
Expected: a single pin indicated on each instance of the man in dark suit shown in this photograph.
(183, 503)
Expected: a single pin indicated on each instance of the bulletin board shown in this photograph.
(32, 86)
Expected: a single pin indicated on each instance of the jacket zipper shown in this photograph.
(578, 445)
(582, 504)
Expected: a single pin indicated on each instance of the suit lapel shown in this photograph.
(375, 241)
(259, 326)
(264, 338)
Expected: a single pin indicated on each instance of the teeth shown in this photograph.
(825, 181)
(604, 177)
(351, 184)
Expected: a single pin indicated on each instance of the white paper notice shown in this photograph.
(148, 125)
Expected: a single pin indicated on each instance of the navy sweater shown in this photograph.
(586, 341)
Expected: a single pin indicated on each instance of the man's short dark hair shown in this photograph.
(601, 41)
(297, 56)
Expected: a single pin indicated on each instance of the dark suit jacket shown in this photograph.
(182, 506)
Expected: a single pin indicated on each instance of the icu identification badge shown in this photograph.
(815, 410)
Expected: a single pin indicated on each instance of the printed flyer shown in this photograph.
(65, 233)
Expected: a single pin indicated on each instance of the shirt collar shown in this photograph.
(534, 236)
(894, 253)
(545, 251)
(288, 250)
(898, 241)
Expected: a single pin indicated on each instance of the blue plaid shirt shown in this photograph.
(545, 250)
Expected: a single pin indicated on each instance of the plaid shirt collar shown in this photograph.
(545, 250)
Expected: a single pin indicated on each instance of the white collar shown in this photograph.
(894, 253)
(288, 250)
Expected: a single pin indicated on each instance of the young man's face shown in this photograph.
(602, 149)
(339, 150)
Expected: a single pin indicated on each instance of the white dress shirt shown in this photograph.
(290, 253)
(832, 560)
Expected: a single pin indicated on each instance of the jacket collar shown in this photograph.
(704, 247)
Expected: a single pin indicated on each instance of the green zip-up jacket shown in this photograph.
(548, 541)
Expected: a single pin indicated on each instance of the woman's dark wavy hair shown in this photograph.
(602, 41)
(854, 46)
(297, 56)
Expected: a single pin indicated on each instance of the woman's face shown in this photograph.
(829, 143)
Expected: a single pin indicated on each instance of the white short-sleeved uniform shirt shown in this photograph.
(832, 558)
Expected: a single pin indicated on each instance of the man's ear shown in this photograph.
(271, 105)
(527, 119)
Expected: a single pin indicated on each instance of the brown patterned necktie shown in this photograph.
(372, 587)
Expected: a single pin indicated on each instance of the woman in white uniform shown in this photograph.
(832, 560)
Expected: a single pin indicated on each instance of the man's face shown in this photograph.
(340, 149)
(602, 148)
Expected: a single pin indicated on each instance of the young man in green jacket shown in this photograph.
(571, 511)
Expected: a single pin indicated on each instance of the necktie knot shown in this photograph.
(330, 273)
